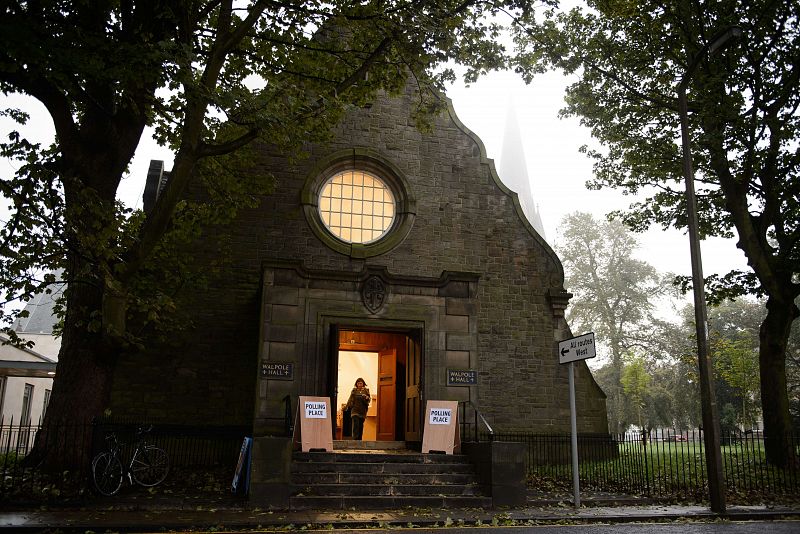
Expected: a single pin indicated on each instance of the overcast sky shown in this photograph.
(558, 172)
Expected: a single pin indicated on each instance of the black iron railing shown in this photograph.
(473, 425)
(288, 420)
(673, 465)
(24, 470)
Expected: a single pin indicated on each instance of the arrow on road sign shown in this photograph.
(576, 348)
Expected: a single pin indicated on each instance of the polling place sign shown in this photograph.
(441, 416)
(440, 433)
(313, 429)
(316, 410)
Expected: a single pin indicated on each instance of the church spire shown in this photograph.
(514, 169)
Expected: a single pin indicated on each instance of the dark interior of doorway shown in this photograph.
(389, 386)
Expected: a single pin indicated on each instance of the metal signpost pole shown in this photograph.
(574, 424)
(570, 351)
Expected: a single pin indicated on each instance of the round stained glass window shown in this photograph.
(356, 206)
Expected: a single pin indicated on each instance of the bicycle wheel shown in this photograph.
(107, 473)
(150, 465)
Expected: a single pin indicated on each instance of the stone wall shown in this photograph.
(466, 221)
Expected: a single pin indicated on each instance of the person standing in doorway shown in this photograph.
(358, 404)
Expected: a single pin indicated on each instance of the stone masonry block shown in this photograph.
(462, 342)
(455, 323)
(458, 393)
(282, 295)
(285, 314)
(281, 352)
(456, 306)
(422, 300)
(457, 359)
(279, 332)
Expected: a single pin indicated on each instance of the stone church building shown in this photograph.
(387, 252)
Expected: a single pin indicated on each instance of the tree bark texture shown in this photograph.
(81, 393)
(773, 337)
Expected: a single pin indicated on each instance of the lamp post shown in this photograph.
(716, 478)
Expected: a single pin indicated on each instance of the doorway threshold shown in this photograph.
(345, 445)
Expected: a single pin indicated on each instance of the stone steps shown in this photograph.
(366, 490)
(394, 468)
(404, 457)
(349, 444)
(357, 503)
(380, 479)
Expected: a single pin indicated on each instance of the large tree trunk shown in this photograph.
(617, 400)
(773, 337)
(88, 353)
(82, 388)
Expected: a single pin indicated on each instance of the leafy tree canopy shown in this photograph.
(744, 124)
(614, 295)
(211, 77)
(743, 112)
(614, 292)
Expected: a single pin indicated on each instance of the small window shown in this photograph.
(27, 399)
(356, 206)
(46, 402)
(2, 393)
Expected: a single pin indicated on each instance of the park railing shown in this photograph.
(672, 466)
(25, 471)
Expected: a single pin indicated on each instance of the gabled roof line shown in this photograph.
(6, 341)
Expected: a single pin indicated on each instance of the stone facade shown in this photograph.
(464, 274)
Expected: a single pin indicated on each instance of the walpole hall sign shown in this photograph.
(277, 370)
(462, 377)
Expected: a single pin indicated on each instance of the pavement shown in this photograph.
(143, 512)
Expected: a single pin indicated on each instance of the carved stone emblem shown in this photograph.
(373, 293)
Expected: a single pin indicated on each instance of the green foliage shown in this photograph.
(635, 383)
(613, 292)
(635, 379)
(733, 342)
(613, 295)
(736, 362)
(211, 78)
(630, 58)
(673, 470)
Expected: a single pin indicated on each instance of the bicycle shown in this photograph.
(148, 466)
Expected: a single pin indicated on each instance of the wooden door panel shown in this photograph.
(387, 362)
(413, 406)
(333, 373)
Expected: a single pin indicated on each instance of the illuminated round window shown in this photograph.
(356, 206)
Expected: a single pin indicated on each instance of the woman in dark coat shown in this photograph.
(358, 404)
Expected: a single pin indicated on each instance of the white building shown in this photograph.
(26, 374)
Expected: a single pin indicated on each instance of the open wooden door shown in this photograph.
(333, 373)
(387, 384)
(413, 408)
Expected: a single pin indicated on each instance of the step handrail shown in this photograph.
(478, 417)
(288, 421)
